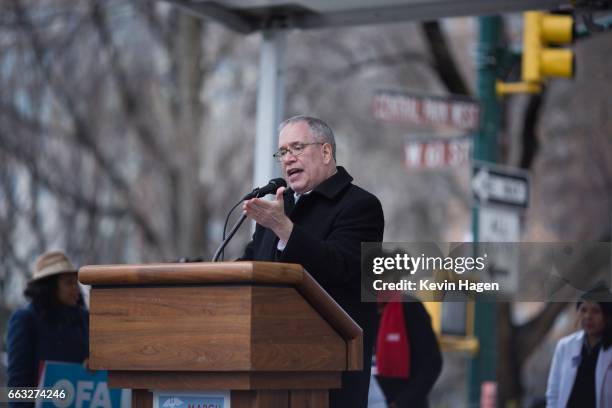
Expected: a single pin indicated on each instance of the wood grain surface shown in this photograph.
(170, 328)
(216, 316)
(233, 380)
(191, 273)
(211, 328)
(309, 399)
(142, 398)
(288, 334)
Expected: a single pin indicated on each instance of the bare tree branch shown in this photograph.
(82, 134)
(389, 60)
(443, 61)
(155, 26)
(129, 100)
(58, 187)
(530, 123)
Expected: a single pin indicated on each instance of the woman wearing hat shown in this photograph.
(581, 371)
(52, 327)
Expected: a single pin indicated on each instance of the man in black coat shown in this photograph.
(320, 222)
(425, 360)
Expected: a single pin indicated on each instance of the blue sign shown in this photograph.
(83, 388)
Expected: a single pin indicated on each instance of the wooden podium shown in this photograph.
(266, 332)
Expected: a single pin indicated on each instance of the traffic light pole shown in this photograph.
(482, 367)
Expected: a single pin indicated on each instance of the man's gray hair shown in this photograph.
(319, 129)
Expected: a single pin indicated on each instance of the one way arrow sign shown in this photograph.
(500, 185)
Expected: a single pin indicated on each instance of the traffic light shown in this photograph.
(452, 317)
(539, 60)
(453, 322)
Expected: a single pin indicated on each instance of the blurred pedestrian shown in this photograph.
(52, 327)
(581, 370)
(408, 357)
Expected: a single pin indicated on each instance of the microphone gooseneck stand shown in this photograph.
(252, 194)
(271, 187)
(237, 225)
(226, 222)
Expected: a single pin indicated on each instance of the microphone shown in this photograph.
(269, 188)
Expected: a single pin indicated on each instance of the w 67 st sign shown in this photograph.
(436, 153)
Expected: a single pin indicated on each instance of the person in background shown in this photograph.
(54, 326)
(408, 357)
(581, 370)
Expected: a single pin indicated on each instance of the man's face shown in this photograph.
(307, 170)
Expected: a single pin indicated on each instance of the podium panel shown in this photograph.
(265, 332)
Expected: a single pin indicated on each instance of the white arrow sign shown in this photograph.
(500, 185)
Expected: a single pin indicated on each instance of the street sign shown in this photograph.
(503, 261)
(499, 225)
(454, 112)
(435, 153)
(502, 185)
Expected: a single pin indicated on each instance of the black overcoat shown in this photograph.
(330, 223)
(425, 361)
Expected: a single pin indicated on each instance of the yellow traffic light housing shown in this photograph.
(465, 341)
(452, 318)
(540, 30)
(539, 61)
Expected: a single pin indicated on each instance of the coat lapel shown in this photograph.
(603, 364)
(331, 187)
(573, 355)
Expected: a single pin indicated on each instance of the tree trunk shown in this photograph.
(189, 201)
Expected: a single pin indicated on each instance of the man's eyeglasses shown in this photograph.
(295, 150)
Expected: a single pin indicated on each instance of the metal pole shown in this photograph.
(482, 367)
(270, 104)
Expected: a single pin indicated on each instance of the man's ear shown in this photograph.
(327, 153)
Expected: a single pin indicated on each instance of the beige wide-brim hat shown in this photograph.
(52, 263)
